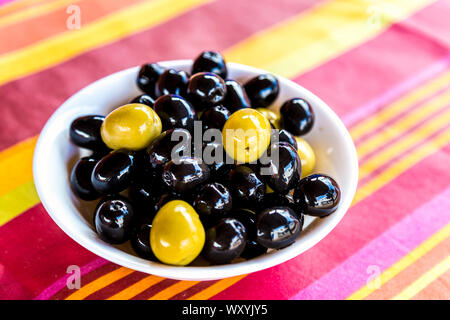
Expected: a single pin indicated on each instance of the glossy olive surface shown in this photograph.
(85, 132)
(318, 195)
(177, 235)
(205, 89)
(114, 172)
(246, 186)
(286, 136)
(297, 116)
(248, 218)
(307, 155)
(131, 126)
(272, 116)
(80, 179)
(172, 81)
(113, 219)
(253, 249)
(160, 150)
(215, 117)
(262, 90)
(140, 240)
(144, 99)
(225, 241)
(275, 199)
(235, 98)
(277, 227)
(175, 112)
(185, 174)
(213, 201)
(148, 76)
(210, 61)
(220, 163)
(284, 166)
(144, 197)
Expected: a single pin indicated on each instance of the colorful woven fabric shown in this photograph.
(383, 66)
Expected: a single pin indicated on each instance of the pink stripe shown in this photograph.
(395, 92)
(2, 2)
(381, 252)
(62, 282)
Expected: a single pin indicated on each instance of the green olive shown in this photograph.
(132, 126)
(177, 235)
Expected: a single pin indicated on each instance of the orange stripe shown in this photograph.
(136, 288)
(216, 288)
(100, 283)
(439, 289)
(412, 272)
(173, 290)
(15, 165)
(55, 22)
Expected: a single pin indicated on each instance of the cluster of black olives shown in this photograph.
(243, 212)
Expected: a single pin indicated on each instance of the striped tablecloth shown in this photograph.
(382, 65)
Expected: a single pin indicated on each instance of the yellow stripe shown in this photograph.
(421, 134)
(394, 130)
(32, 12)
(397, 107)
(424, 280)
(403, 263)
(115, 26)
(16, 165)
(136, 288)
(100, 283)
(402, 165)
(17, 201)
(216, 288)
(322, 33)
(173, 290)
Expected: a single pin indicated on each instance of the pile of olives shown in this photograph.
(179, 211)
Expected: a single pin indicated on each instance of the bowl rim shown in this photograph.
(201, 272)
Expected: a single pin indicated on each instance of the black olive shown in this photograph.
(318, 195)
(114, 172)
(185, 174)
(297, 116)
(248, 218)
(140, 240)
(215, 117)
(275, 199)
(172, 81)
(235, 98)
(277, 227)
(80, 179)
(144, 99)
(160, 150)
(248, 189)
(253, 249)
(262, 90)
(205, 89)
(219, 162)
(286, 136)
(148, 76)
(283, 169)
(113, 219)
(213, 202)
(175, 112)
(85, 132)
(210, 61)
(144, 196)
(225, 241)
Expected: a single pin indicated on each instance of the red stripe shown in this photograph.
(355, 77)
(193, 290)
(145, 295)
(117, 286)
(40, 94)
(35, 252)
(363, 222)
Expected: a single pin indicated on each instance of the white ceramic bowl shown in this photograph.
(55, 156)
